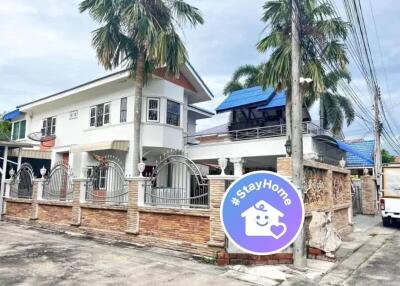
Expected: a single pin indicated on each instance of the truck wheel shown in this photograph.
(386, 221)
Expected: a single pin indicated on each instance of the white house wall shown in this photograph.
(246, 148)
(71, 132)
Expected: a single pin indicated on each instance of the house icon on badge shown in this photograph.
(262, 219)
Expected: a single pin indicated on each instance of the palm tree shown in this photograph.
(322, 35)
(140, 35)
(243, 77)
(334, 108)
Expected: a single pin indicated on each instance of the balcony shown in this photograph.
(259, 132)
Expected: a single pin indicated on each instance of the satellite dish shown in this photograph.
(40, 137)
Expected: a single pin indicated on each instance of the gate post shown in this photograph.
(78, 187)
(217, 188)
(369, 196)
(3, 202)
(37, 189)
(134, 184)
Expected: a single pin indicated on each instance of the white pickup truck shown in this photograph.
(390, 199)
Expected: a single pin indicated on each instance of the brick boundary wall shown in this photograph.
(194, 231)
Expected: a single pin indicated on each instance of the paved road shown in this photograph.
(32, 257)
(374, 260)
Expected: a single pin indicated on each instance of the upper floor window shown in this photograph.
(124, 108)
(49, 126)
(173, 113)
(153, 109)
(100, 115)
(18, 129)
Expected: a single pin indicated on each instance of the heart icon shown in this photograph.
(278, 230)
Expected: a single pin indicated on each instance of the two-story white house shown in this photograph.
(96, 118)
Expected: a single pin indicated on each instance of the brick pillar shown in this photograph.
(216, 192)
(78, 188)
(36, 191)
(369, 195)
(284, 166)
(132, 226)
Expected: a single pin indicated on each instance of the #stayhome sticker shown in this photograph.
(262, 213)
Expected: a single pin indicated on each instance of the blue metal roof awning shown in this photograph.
(279, 100)
(11, 115)
(347, 148)
(245, 97)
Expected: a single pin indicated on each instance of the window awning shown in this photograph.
(119, 145)
(11, 115)
(32, 154)
(246, 97)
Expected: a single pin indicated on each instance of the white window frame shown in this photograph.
(19, 130)
(180, 113)
(123, 119)
(53, 128)
(153, 109)
(95, 107)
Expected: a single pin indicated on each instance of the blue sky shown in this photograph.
(45, 47)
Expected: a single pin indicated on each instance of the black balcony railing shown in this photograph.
(260, 132)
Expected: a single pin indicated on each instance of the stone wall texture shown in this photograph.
(57, 214)
(19, 209)
(369, 196)
(105, 219)
(186, 228)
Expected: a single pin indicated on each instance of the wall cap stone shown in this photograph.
(224, 177)
(181, 211)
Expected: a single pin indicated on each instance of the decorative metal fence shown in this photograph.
(177, 182)
(58, 184)
(22, 182)
(107, 183)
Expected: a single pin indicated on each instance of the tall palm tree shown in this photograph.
(243, 77)
(334, 107)
(140, 35)
(321, 43)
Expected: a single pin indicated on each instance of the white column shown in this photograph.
(19, 158)
(3, 177)
(237, 166)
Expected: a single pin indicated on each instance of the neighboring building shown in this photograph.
(256, 134)
(96, 118)
(361, 157)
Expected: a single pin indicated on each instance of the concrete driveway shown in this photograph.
(33, 257)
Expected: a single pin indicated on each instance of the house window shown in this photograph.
(100, 115)
(18, 130)
(49, 126)
(153, 109)
(124, 107)
(173, 113)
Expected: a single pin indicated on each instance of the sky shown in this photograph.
(45, 47)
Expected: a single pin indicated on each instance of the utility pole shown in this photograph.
(377, 131)
(299, 253)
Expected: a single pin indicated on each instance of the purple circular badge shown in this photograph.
(262, 213)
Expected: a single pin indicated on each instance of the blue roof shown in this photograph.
(11, 115)
(278, 100)
(364, 156)
(244, 97)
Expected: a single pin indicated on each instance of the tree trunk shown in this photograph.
(288, 113)
(137, 119)
(321, 114)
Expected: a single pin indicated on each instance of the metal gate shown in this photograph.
(177, 181)
(107, 183)
(22, 182)
(58, 184)
(356, 195)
